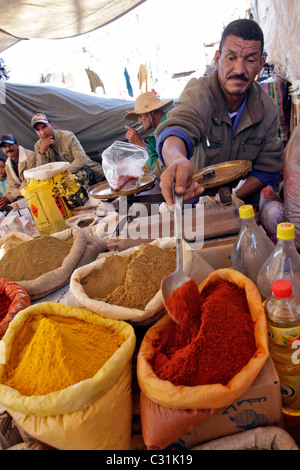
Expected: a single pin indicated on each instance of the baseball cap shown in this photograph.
(7, 139)
(39, 118)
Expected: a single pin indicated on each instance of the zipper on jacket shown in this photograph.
(207, 141)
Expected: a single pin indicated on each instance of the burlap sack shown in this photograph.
(262, 438)
(176, 410)
(84, 250)
(94, 414)
(193, 265)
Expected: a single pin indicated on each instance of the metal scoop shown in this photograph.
(178, 277)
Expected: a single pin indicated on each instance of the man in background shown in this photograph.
(56, 145)
(149, 111)
(18, 160)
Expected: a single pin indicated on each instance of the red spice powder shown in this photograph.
(184, 302)
(212, 346)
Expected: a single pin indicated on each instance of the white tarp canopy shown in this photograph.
(280, 22)
(56, 19)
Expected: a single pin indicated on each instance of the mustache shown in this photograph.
(238, 77)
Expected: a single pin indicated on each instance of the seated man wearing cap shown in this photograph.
(61, 145)
(149, 111)
(18, 160)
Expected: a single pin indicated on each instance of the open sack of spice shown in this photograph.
(65, 377)
(13, 299)
(127, 286)
(45, 264)
(123, 164)
(188, 372)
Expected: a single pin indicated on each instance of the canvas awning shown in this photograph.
(56, 19)
(279, 20)
(97, 122)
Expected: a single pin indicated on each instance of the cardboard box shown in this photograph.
(218, 257)
(261, 405)
(198, 225)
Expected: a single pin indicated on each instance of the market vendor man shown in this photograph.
(149, 111)
(224, 116)
(56, 145)
(18, 160)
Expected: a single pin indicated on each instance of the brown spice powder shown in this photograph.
(29, 260)
(99, 283)
(131, 281)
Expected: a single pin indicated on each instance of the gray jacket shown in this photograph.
(201, 112)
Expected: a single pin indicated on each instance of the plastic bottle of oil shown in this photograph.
(75, 194)
(252, 246)
(283, 263)
(283, 318)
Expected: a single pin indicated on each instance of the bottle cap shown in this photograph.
(285, 231)
(246, 211)
(282, 288)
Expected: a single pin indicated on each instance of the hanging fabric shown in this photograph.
(128, 83)
(94, 80)
(143, 78)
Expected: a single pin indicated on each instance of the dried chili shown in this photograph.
(13, 299)
(213, 345)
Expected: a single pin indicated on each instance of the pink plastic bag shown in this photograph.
(291, 178)
(271, 211)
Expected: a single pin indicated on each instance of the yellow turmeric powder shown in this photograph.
(52, 352)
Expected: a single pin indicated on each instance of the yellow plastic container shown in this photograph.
(47, 214)
(54, 175)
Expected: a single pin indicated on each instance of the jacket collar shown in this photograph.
(253, 112)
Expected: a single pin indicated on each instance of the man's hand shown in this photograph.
(3, 202)
(45, 144)
(180, 171)
(134, 137)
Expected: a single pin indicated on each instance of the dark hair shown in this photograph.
(245, 29)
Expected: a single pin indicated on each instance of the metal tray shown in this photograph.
(223, 173)
(104, 191)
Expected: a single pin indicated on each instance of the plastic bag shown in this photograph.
(176, 410)
(44, 172)
(271, 211)
(93, 414)
(122, 164)
(291, 176)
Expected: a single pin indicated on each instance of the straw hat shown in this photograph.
(146, 103)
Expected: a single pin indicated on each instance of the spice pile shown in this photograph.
(130, 281)
(214, 341)
(29, 260)
(52, 352)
